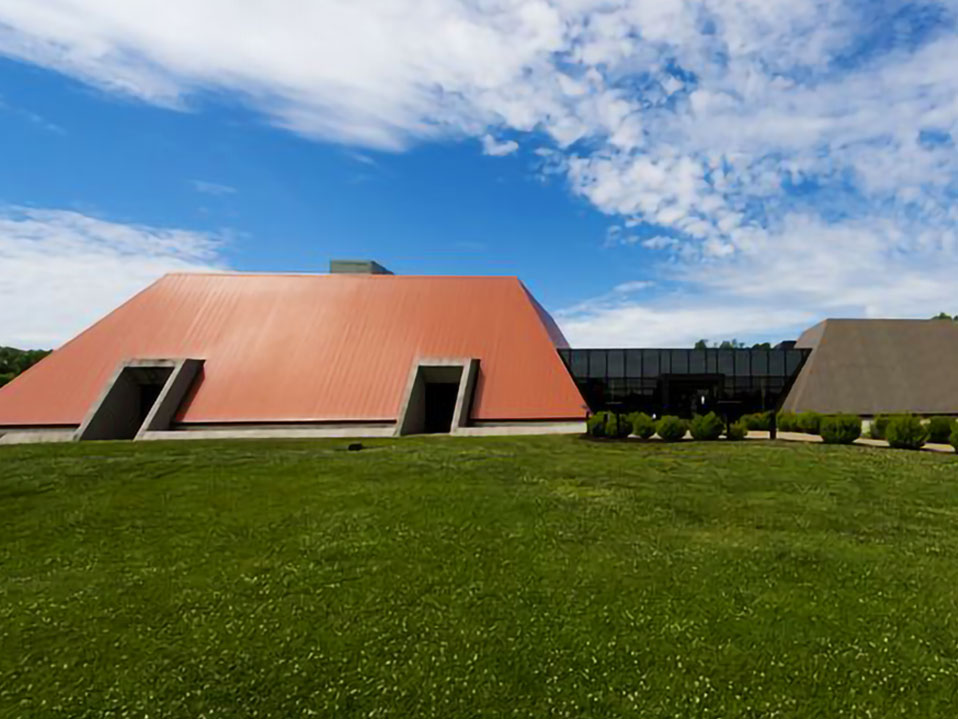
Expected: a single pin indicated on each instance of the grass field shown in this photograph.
(441, 577)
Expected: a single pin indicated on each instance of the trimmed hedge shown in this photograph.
(706, 428)
(940, 429)
(809, 422)
(787, 422)
(643, 426)
(671, 429)
(608, 424)
(906, 432)
(841, 428)
(878, 426)
(758, 422)
(617, 426)
(595, 425)
(737, 432)
(954, 437)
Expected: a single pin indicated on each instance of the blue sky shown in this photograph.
(655, 172)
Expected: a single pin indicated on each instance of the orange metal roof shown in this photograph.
(311, 348)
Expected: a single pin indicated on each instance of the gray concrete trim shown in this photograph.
(182, 372)
(355, 431)
(36, 436)
(410, 410)
(277, 432)
(518, 429)
(174, 391)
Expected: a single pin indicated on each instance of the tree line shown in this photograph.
(14, 362)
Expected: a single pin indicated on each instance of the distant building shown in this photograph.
(870, 367)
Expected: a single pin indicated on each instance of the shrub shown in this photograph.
(642, 425)
(737, 432)
(878, 425)
(595, 425)
(809, 422)
(940, 429)
(671, 429)
(758, 422)
(787, 421)
(617, 426)
(906, 432)
(707, 428)
(954, 437)
(841, 428)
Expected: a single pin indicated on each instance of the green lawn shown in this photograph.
(440, 577)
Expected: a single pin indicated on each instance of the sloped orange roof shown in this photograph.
(288, 348)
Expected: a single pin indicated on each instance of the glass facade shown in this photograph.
(683, 382)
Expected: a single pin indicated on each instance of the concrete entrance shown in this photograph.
(142, 395)
(438, 396)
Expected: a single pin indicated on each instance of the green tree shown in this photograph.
(15, 361)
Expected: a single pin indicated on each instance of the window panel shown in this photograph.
(697, 363)
(777, 364)
(793, 360)
(616, 363)
(580, 363)
(760, 362)
(650, 363)
(680, 362)
(597, 363)
(726, 362)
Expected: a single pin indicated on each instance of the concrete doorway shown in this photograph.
(438, 396)
(440, 406)
(142, 395)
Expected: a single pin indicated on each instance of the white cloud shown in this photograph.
(60, 270)
(778, 284)
(697, 118)
(490, 146)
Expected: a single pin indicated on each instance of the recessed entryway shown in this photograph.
(438, 396)
(142, 395)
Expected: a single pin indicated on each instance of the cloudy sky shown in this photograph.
(655, 170)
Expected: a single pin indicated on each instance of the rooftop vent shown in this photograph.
(357, 267)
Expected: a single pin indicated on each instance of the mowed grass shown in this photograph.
(442, 577)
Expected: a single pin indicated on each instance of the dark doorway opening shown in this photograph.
(440, 407)
(149, 393)
(127, 402)
(439, 397)
(688, 395)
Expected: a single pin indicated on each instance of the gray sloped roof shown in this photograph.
(870, 367)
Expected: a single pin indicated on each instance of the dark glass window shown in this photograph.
(580, 364)
(760, 362)
(616, 363)
(697, 364)
(777, 364)
(680, 362)
(726, 362)
(793, 360)
(628, 380)
(597, 363)
(650, 363)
